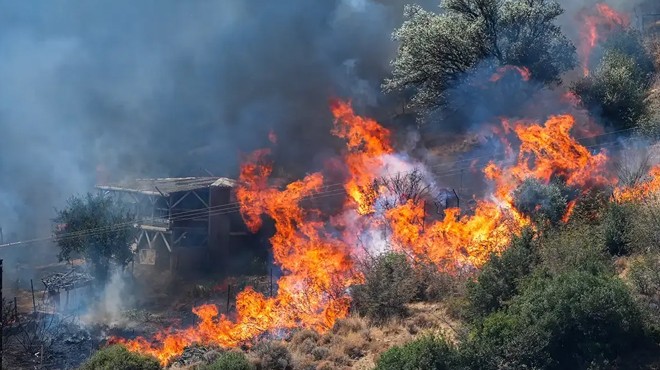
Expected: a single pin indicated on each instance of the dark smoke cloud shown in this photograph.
(169, 88)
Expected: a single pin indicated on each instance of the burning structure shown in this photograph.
(185, 223)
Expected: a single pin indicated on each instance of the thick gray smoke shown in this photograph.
(170, 88)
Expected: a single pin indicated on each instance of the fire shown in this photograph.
(367, 142)
(596, 27)
(524, 73)
(545, 152)
(317, 252)
(311, 294)
(641, 190)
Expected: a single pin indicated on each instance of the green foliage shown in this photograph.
(428, 353)
(273, 355)
(390, 283)
(574, 247)
(644, 276)
(436, 50)
(630, 42)
(110, 239)
(574, 320)
(119, 358)
(616, 91)
(542, 203)
(229, 361)
(501, 276)
(617, 225)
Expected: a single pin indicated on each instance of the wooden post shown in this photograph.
(271, 282)
(34, 304)
(15, 310)
(228, 295)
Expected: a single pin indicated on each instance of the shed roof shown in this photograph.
(168, 186)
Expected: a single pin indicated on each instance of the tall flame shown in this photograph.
(597, 26)
(311, 294)
(317, 252)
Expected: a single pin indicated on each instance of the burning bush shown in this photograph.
(119, 358)
(389, 283)
(540, 202)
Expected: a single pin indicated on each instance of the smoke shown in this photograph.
(114, 299)
(165, 88)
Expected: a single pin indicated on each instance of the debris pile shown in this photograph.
(66, 281)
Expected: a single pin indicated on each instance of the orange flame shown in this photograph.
(596, 27)
(524, 73)
(642, 190)
(367, 142)
(317, 269)
(318, 264)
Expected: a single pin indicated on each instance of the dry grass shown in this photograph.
(355, 344)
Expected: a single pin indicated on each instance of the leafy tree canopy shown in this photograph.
(436, 50)
(96, 228)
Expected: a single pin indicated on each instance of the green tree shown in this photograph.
(428, 353)
(574, 320)
(119, 358)
(390, 283)
(436, 50)
(98, 229)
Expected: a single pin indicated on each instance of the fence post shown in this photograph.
(34, 304)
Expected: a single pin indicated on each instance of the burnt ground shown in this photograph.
(51, 339)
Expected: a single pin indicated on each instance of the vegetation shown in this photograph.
(229, 361)
(570, 321)
(618, 90)
(424, 353)
(390, 283)
(436, 50)
(543, 203)
(119, 358)
(500, 278)
(110, 240)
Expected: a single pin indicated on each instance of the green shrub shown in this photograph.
(575, 320)
(273, 355)
(577, 246)
(644, 276)
(428, 353)
(617, 226)
(616, 91)
(119, 358)
(390, 283)
(229, 361)
(500, 277)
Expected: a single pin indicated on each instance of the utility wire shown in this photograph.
(235, 206)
